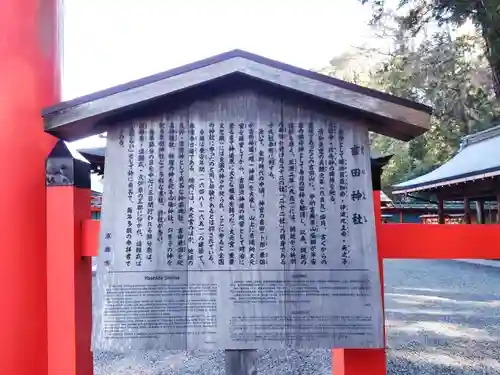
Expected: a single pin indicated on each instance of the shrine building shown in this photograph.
(464, 189)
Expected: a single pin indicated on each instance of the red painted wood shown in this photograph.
(90, 238)
(69, 283)
(396, 241)
(439, 241)
(359, 362)
(29, 80)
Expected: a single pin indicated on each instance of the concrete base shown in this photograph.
(481, 262)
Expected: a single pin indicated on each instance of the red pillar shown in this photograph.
(29, 80)
(364, 361)
(69, 271)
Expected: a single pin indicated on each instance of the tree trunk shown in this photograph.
(495, 72)
(489, 18)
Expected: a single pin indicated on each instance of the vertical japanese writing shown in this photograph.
(231, 165)
(282, 191)
(357, 195)
(251, 196)
(303, 247)
(121, 137)
(151, 193)
(332, 161)
(200, 178)
(324, 257)
(161, 164)
(357, 150)
(190, 234)
(141, 182)
(211, 192)
(181, 247)
(181, 206)
(271, 149)
(170, 245)
(343, 186)
(292, 193)
(302, 185)
(241, 195)
(191, 189)
(130, 156)
(217, 213)
(221, 192)
(321, 175)
(191, 147)
(160, 220)
(129, 236)
(130, 184)
(322, 194)
(313, 228)
(263, 254)
(107, 248)
(210, 201)
(302, 197)
(171, 198)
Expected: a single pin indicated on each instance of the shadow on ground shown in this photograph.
(443, 317)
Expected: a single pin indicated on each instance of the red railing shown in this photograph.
(395, 241)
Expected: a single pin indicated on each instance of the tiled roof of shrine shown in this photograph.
(478, 157)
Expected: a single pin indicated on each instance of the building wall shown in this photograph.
(403, 217)
(409, 215)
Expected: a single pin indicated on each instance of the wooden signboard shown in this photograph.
(238, 222)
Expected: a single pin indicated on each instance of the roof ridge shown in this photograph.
(231, 54)
(483, 135)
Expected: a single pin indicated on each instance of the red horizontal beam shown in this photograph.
(397, 241)
(439, 241)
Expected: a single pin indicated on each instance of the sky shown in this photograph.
(109, 42)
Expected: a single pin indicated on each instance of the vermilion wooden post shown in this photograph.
(69, 272)
(29, 81)
(364, 361)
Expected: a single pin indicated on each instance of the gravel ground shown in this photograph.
(443, 318)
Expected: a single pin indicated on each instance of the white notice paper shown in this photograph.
(240, 223)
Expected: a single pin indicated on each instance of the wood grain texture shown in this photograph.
(409, 118)
(265, 261)
(241, 362)
(335, 94)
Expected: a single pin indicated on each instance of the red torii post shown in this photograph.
(29, 81)
(416, 241)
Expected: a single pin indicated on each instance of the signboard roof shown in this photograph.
(383, 113)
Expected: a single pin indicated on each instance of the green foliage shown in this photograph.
(452, 76)
(484, 14)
